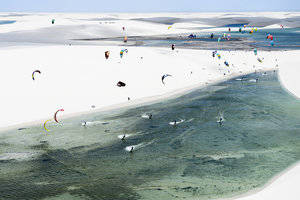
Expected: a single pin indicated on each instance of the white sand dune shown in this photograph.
(289, 74)
(78, 26)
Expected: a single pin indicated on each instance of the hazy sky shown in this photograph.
(147, 6)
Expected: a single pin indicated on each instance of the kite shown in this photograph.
(163, 77)
(106, 54)
(121, 84)
(45, 125)
(122, 52)
(255, 52)
(55, 118)
(36, 71)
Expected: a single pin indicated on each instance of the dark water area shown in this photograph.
(198, 158)
(7, 22)
(284, 39)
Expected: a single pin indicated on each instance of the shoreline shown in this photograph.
(91, 78)
(269, 183)
(136, 103)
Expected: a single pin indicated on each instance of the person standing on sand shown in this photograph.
(173, 47)
(255, 52)
(214, 53)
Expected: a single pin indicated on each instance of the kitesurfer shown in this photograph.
(211, 36)
(220, 121)
(131, 150)
(123, 138)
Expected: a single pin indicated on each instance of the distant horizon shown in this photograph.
(155, 6)
(133, 12)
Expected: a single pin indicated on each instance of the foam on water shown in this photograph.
(146, 116)
(126, 136)
(138, 146)
(94, 123)
(17, 156)
(177, 122)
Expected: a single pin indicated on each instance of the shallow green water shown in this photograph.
(196, 159)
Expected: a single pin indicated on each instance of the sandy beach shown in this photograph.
(76, 76)
(91, 79)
